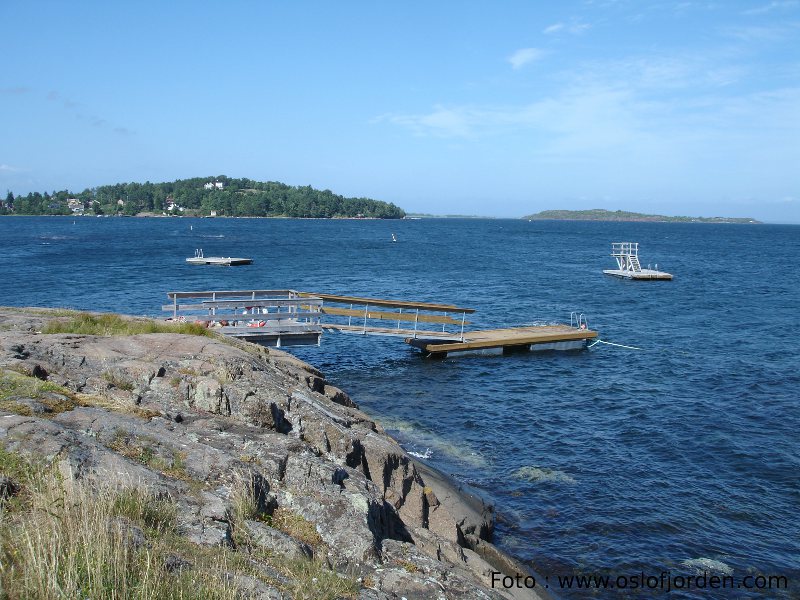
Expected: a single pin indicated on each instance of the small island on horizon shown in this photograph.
(599, 214)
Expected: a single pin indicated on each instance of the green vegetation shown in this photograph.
(147, 451)
(311, 579)
(315, 581)
(15, 387)
(110, 324)
(296, 526)
(75, 539)
(200, 196)
(246, 507)
(599, 214)
(117, 381)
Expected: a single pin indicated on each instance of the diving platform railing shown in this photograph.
(627, 255)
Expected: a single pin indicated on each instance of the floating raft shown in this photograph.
(219, 260)
(641, 274)
(228, 261)
(627, 257)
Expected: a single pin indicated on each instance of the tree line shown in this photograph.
(222, 195)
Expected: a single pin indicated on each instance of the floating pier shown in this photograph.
(372, 316)
(199, 259)
(501, 341)
(290, 318)
(627, 257)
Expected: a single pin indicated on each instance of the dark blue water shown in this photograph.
(681, 456)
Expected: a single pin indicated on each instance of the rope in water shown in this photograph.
(613, 344)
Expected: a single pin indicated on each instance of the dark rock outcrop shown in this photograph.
(189, 417)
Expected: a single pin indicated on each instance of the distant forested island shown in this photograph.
(201, 196)
(599, 214)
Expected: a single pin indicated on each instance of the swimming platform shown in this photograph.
(628, 266)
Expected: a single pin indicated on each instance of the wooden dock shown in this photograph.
(394, 318)
(499, 341)
(288, 317)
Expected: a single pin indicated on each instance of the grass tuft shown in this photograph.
(111, 324)
(118, 382)
(15, 386)
(147, 451)
(156, 513)
(296, 526)
(77, 540)
(313, 580)
(66, 543)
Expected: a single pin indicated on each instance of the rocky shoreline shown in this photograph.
(189, 417)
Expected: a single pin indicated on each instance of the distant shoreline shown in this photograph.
(155, 216)
(599, 214)
(536, 217)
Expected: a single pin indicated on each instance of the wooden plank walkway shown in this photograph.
(539, 337)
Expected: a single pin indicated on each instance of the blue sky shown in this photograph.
(491, 108)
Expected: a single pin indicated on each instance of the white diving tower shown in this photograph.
(628, 266)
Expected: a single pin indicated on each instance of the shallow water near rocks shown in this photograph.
(683, 456)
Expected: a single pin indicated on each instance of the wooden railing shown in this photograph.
(398, 312)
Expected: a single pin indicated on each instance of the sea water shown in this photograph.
(679, 454)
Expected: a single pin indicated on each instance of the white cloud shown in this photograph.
(665, 73)
(441, 122)
(9, 169)
(523, 56)
(669, 111)
(575, 28)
